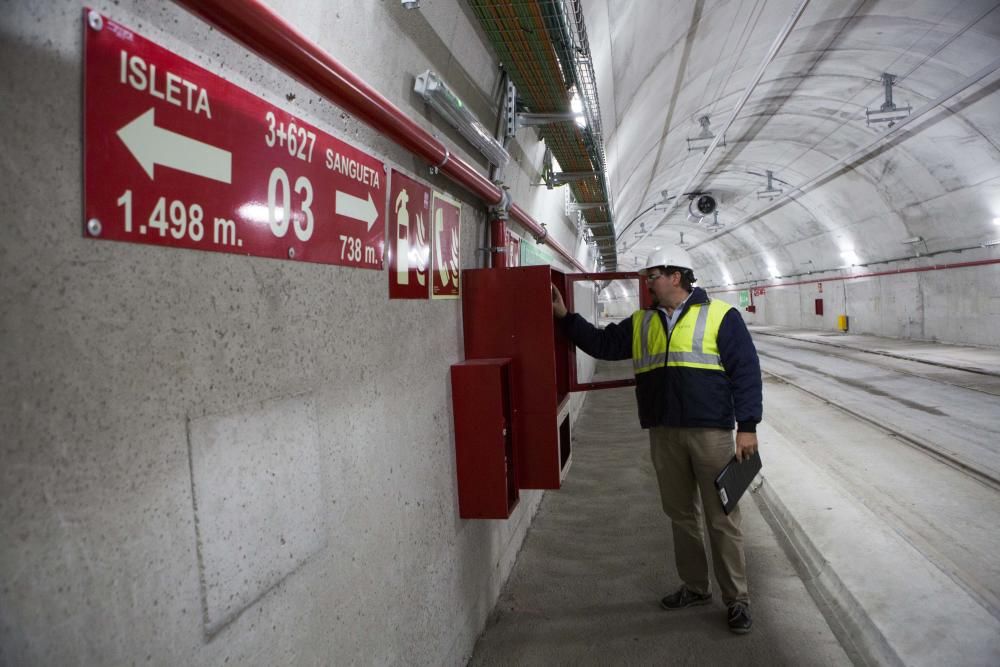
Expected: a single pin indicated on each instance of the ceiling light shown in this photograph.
(773, 270)
(990, 244)
(996, 221)
(850, 257)
(913, 239)
(444, 101)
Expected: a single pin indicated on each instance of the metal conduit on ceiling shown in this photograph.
(543, 45)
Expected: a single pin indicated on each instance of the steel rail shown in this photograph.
(956, 462)
(803, 344)
(265, 32)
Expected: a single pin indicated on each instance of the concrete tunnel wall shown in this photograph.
(133, 374)
(951, 305)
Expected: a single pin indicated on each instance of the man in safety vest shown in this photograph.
(697, 376)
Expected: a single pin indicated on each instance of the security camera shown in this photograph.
(701, 205)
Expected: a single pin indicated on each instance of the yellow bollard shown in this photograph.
(842, 322)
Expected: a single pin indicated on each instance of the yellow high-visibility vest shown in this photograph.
(693, 342)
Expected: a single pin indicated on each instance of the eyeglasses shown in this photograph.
(652, 277)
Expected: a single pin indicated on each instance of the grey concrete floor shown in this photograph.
(598, 558)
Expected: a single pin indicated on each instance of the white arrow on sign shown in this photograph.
(151, 145)
(357, 208)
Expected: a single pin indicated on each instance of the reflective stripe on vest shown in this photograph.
(701, 323)
(649, 341)
(694, 340)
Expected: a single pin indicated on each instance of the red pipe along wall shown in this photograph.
(917, 269)
(261, 30)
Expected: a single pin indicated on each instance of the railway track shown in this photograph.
(893, 363)
(966, 467)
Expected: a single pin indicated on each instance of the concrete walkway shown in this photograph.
(860, 548)
(587, 584)
(898, 545)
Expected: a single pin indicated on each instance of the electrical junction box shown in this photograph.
(484, 438)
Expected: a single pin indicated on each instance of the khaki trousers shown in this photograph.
(687, 461)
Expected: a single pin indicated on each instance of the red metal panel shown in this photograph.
(508, 313)
(177, 156)
(484, 450)
(819, 306)
(408, 250)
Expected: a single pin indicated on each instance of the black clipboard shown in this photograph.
(733, 480)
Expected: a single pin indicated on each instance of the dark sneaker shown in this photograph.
(684, 597)
(739, 618)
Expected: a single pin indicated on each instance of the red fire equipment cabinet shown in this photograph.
(484, 447)
(507, 313)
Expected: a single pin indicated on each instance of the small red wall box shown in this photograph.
(819, 306)
(507, 313)
(484, 438)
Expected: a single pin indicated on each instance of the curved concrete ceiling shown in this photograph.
(662, 65)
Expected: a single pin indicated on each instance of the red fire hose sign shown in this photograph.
(177, 156)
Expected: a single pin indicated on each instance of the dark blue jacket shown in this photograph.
(681, 396)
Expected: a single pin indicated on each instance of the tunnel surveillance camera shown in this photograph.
(701, 205)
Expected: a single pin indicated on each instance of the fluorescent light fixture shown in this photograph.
(913, 239)
(990, 244)
(444, 101)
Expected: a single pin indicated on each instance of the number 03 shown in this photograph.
(279, 212)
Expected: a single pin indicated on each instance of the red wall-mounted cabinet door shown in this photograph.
(484, 438)
(508, 313)
(645, 301)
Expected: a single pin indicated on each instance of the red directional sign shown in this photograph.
(177, 156)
